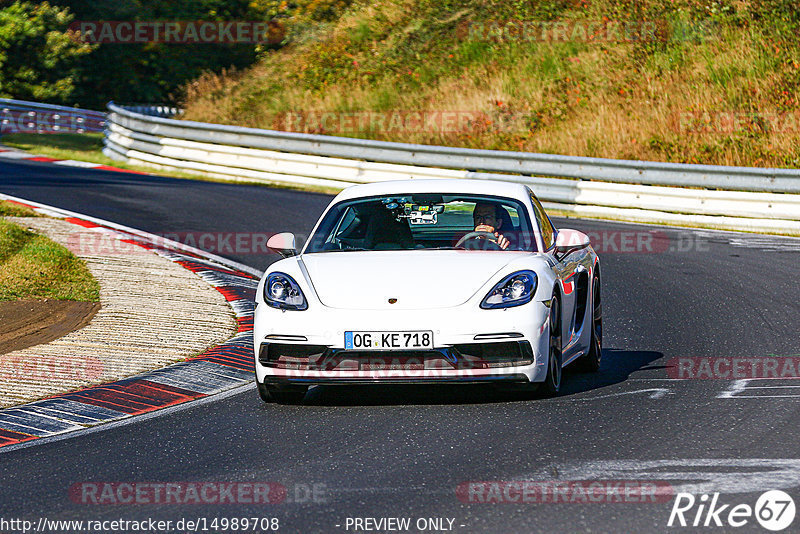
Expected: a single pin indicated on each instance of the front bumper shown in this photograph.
(470, 346)
(341, 381)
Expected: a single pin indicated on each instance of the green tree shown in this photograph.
(155, 72)
(38, 57)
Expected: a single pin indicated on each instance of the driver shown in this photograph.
(487, 219)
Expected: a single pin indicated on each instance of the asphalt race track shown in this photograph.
(377, 452)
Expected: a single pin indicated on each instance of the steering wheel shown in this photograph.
(488, 237)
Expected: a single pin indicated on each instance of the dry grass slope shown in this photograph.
(723, 92)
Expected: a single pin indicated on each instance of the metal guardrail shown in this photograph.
(154, 110)
(624, 171)
(20, 116)
(729, 197)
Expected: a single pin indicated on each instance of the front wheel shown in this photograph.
(281, 394)
(552, 383)
(262, 391)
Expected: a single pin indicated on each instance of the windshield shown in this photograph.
(424, 221)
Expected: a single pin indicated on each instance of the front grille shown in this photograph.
(504, 354)
(457, 357)
(289, 356)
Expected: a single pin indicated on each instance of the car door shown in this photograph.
(567, 270)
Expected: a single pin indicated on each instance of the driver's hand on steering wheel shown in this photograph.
(501, 240)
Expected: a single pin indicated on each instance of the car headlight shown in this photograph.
(513, 290)
(281, 291)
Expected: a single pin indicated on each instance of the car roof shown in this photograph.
(447, 186)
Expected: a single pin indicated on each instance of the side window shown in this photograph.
(545, 225)
(346, 224)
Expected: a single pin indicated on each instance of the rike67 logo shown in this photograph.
(774, 510)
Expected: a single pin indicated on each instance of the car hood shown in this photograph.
(418, 279)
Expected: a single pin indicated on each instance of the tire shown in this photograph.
(590, 362)
(552, 382)
(281, 394)
(262, 392)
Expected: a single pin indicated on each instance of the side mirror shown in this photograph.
(570, 240)
(283, 244)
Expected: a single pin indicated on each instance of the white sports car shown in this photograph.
(428, 281)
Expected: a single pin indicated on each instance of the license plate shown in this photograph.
(416, 340)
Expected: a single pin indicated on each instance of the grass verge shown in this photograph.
(12, 209)
(34, 267)
(81, 147)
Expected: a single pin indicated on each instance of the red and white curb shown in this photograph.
(216, 370)
(12, 153)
